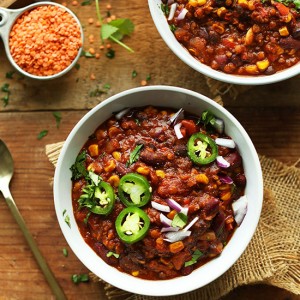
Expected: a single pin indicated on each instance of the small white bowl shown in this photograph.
(163, 28)
(176, 98)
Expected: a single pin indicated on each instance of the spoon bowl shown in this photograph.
(6, 173)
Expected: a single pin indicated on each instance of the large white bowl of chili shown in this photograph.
(240, 42)
(166, 97)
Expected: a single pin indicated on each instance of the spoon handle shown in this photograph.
(56, 289)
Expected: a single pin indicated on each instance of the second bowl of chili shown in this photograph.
(250, 42)
(116, 244)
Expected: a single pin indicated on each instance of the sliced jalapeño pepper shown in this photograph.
(134, 190)
(132, 224)
(105, 198)
(202, 149)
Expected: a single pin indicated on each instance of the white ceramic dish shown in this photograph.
(163, 28)
(168, 97)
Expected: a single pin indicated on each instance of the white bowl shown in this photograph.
(162, 26)
(168, 97)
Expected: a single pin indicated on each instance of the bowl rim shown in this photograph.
(130, 283)
(162, 27)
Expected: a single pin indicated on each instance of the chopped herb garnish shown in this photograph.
(133, 74)
(179, 220)
(99, 91)
(110, 53)
(207, 118)
(115, 30)
(77, 66)
(78, 168)
(172, 27)
(110, 253)
(134, 155)
(64, 211)
(77, 278)
(87, 54)
(5, 98)
(87, 217)
(65, 252)
(86, 2)
(165, 9)
(9, 74)
(196, 255)
(67, 220)
(137, 121)
(42, 134)
(148, 78)
(57, 116)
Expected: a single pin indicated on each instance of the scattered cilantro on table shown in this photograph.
(57, 116)
(42, 134)
(5, 89)
(77, 278)
(65, 252)
(115, 30)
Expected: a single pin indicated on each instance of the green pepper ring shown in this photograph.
(191, 149)
(130, 239)
(98, 209)
(142, 183)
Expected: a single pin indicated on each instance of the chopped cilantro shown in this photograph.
(67, 220)
(196, 255)
(87, 54)
(42, 134)
(99, 91)
(172, 27)
(57, 116)
(133, 74)
(165, 9)
(77, 278)
(78, 168)
(134, 155)
(5, 89)
(110, 253)
(110, 53)
(207, 118)
(10, 74)
(148, 78)
(65, 252)
(86, 2)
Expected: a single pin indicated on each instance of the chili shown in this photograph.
(202, 149)
(134, 190)
(132, 224)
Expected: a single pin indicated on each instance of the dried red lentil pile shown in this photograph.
(45, 40)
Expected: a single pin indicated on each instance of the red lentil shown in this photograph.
(45, 40)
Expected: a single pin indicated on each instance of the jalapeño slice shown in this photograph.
(202, 149)
(105, 198)
(132, 224)
(134, 190)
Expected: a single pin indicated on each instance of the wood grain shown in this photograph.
(270, 114)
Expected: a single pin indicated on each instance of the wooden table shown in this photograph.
(270, 114)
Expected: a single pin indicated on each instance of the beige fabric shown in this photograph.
(273, 255)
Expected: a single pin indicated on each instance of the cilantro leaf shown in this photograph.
(57, 116)
(78, 168)
(77, 278)
(107, 31)
(134, 155)
(196, 255)
(42, 134)
(125, 26)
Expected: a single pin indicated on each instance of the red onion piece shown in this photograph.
(165, 221)
(222, 162)
(226, 179)
(177, 131)
(160, 207)
(179, 115)
(170, 229)
(177, 236)
(172, 11)
(239, 208)
(225, 142)
(182, 14)
(188, 226)
(219, 125)
(122, 113)
(174, 205)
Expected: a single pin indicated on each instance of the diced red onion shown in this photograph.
(177, 131)
(176, 236)
(160, 207)
(174, 205)
(226, 179)
(239, 208)
(188, 226)
(219, 125)
(170, 229)
(182, 14)
(165, 221)
(222, 162)
(122, 113)
(172, 11)
(225, 142)
(179, 115)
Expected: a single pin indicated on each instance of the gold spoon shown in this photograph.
(6, 173)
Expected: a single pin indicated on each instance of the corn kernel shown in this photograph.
(219, 28)
(221, 11)
(114, 180)
(116, 155)
(197, 2)
(163, 113)
(143, 170)
(202, 178)
(249, 37)
(160, 173)
(135, 273)
(111, 166)
(283, 31)
(287, 18)
(252, 69)
(94, 150)
(226, 196)
(244, 2)
(263, 64)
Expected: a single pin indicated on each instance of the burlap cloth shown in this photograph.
(273, 255)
